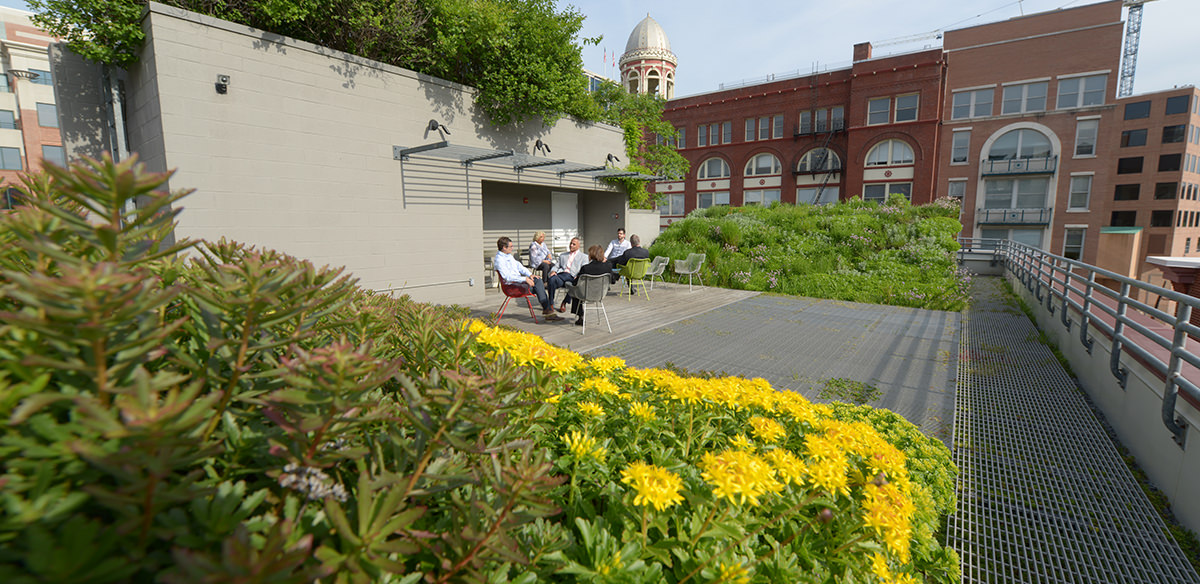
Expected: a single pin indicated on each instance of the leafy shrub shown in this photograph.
(860, 251)
(210, 412)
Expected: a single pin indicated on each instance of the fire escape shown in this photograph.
(821, 125)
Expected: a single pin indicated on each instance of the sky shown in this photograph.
(717, 43)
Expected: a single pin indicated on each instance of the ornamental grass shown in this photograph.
(235, 414)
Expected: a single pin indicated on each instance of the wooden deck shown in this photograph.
(669, 302)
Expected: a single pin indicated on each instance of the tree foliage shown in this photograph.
(649, 139)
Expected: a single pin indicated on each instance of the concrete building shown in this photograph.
(345, 161)
(29, 131)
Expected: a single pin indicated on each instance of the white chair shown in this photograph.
(691, 267)
(590, 290)
(656, 269)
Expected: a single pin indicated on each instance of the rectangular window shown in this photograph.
(1131, 165)
(1177, 104)
(7, 120)
(10, 158)
(837, 119)
(1171, 134)
(47, 115)
(714, 134)
(1170, 162)
(971, 104)
(881, 192)
(1073, 242)
(1027, 97)
(806, 126)
(760, 197)
(878, 111)
(4, 84)
(1133, 138)
(821, 121)
(43, 77)
(1137, 110)
(749, 130)
(764, 128)
(1081, 91)
(960, 147)
(683, 137)
(54, 154)
(1086, 132)
(727, 133)
(777, 127)
(1081, 193)
(1127, 192)
(1165, 190)
(672, 204)
(706, 200)
(1123, 219)
(957, 189)
(702, 135)
(1161, 218)
(906, 108)
(816, 195)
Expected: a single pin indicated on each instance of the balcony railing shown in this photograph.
(1045, 165)
(1013, 216)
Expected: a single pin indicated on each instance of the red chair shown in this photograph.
(514, 291)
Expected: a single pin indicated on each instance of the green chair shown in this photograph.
(634, 273)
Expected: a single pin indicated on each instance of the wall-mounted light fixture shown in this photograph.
(540, 146)
(436, 126)
(222, 84)
(611, 159)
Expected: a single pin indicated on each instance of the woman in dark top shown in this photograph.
(596, 267)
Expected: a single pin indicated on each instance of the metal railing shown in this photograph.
(1133, 327)
(1045, 165)
(1013, 216)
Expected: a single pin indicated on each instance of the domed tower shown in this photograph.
(648, 65)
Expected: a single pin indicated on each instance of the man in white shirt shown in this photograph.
(616, 247)
(565, 271)
(512, 272)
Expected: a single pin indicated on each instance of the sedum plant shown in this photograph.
(182, 411)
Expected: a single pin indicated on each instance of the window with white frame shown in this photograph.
(817, 195)
(819, 160)
(702, 135)
(1081, 193)
(713, 169)
(1073, 242)
(726, 133)
(879, 111)
(906, 107)
(1022, 143)
(763, 164)
(764, 128)
(806, 125)
(768, 127)
(750, 134)
(1030, 237)
(976, 103)
(714, 134)
(837, 118)
(760, 197)
(960, 147)
(1023, 98)
(1021, 193)
(890, 153)
(1081, 91)
(776, 126)
(1086, 132)
(683, 137)
(672, 204)
(957, 188)
(880, 192)
(706, 200)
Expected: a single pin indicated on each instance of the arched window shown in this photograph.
(819, 160)
(632, 82)
(1023, 143)
(652, 82)
(670, 85)
(763, 164)
(890, 153)
(713, 168)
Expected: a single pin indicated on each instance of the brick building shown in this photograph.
(28, 111)
(1019, 118)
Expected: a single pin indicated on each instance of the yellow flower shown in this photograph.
(600, 385)
(591, 408)
(880, 568)
(643, 410)
(741, 442)
(553, 399)
(582, 446)
(604, 365)
(788, 466)
(739, 476)
(766, 429)
(606, 567)
(655, 486)
(830, 474)
(734, 574)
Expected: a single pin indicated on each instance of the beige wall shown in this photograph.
(298, 154)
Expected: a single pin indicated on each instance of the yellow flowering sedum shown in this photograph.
(591, 409)
(788, 466)
(606, 365)
(741, 442)
(733, 574)
(766, 429)
(655, 486)
(582, 446)
(526, 349)
(600, 385)
(738, 475)
(643, 410)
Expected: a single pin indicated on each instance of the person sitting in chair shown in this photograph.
(565, 270)
(616, 247)
(635, 252)
(539, 256)
(512, 272)
(597, 267)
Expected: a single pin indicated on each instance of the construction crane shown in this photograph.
(1133, 35)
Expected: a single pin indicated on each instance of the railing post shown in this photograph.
(1050, 287)
(1183, 315)
(1114, 362)
(1038, 274)
(1066, 297)
(1084, 316)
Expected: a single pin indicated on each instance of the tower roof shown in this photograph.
(648, 34)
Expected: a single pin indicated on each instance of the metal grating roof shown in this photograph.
(518, 161)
